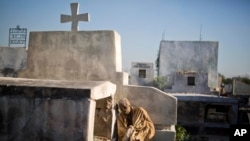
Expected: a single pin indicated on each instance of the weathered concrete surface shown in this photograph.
(12, 59)
(93, 56)
(99, 89)
(135, 79)
(165, 134)
(43, 119)
(206, 113)
(204, 98)
(200, 86)
(162, 108)
(105, 118)
(240, 88)
(83, 55)
(196, 56)
(32, 109)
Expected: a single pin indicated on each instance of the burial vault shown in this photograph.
(141, 73)
(35, 109)
(94, 56)
(197, 57)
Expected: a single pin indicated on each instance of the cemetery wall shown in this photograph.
(196, 56)
(12, 59)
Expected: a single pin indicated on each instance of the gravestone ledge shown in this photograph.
(99, 89)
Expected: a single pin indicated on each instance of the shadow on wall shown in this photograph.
(8, 72)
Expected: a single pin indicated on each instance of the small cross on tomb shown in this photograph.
(74, 18)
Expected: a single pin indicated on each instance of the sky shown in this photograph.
(142, 24)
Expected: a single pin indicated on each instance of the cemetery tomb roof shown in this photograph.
(204, 98)
(99, 89)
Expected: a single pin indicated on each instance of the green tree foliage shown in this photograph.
(226, 80)
(182, 134)
(245, 80)
(160, 82)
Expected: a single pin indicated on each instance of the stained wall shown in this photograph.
(194, 56)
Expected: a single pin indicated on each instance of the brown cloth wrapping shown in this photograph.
(142, 128)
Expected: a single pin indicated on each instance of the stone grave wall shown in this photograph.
(24, 118)
(200, 83)
(83, 55)
(195, 56)
(161, 106)
(32, 109)
(241, 88)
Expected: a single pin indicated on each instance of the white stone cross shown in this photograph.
(74, 18)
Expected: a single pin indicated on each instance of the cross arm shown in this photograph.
(84, 17)
(65, 18)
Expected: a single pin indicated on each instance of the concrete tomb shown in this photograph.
(240, 88)
(33, 109)
(242, 91)
(200, 57)
(96, 56)
(206, 113)
(66, 55)
(142, 74)
(190, 82)
(79, 56)
(72, 82)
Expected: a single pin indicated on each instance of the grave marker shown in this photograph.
(74, 18)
